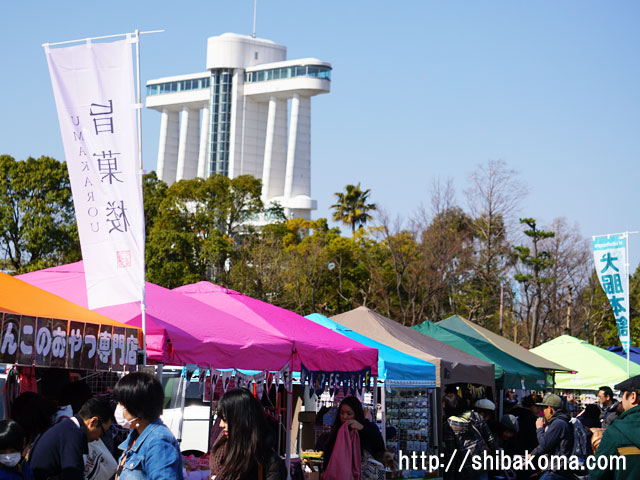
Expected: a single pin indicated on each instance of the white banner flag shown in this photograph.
(610, 257)
(93, 86)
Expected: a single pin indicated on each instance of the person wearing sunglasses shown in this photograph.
(59, 451)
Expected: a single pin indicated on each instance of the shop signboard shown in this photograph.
(10, 336)
(74, 352)
(27, 339)
(46, 342)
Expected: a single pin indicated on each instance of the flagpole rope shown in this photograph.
(100, 38)
(610, 234)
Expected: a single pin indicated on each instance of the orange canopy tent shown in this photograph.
(42, 329)
(23, 298)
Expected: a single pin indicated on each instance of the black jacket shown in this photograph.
(557, 440)
(609, 414)
(59, 451)
(527, 432)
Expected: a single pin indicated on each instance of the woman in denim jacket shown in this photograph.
(150, 451)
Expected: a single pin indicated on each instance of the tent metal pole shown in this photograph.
(288, 426)
(375, 399)
(434, 418)
(183, 385)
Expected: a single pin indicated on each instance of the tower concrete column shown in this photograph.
(188, 146)
(291, 147)
(203, 158)
(237, 123)
(268, 148)
(302, 169)
(168, 146)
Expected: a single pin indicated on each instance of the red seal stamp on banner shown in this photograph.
(124, 258)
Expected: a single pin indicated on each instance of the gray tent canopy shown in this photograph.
(452, 365)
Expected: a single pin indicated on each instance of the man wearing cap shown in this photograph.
(487, 410)
(622, 437)
(556, 439)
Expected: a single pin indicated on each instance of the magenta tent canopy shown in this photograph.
(180, 330)
(183, 330)
(317, 347)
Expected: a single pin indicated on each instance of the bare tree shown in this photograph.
(571, 252)
(493, 198)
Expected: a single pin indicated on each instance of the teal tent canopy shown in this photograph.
(510, 373)
(459, 325)
(395, 367)
(593, 366)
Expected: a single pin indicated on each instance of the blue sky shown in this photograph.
(420, 90)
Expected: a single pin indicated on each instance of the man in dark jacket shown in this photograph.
(556, 439)
(622, 437)
(527, 416)
(59, 451)
(608, 406)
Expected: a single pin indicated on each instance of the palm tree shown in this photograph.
(352, 208)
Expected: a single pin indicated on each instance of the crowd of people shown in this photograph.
(544, 427)
(52, 434)
(47, 438)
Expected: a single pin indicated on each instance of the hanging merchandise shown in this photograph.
(260, 380)
(285, 377)
(270, 377)
(202, 380)
(210, 385)
(319, 380)
(27, 380)
(242, 380)
(10, 391)
(226, 380)
(409, 420)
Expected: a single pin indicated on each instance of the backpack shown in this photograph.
(579, 448)
(579, 439)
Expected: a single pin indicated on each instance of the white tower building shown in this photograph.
(249, 113)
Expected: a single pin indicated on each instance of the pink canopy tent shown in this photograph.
(316, 346)
(183, 330)
(179, 330)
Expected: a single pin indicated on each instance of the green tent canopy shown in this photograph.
(509, 371)
(452, 364)
(459, 325)
(595, 366)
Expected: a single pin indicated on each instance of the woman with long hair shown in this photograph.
(351, 412)
(243, 450)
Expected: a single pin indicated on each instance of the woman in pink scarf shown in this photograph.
(370, 440)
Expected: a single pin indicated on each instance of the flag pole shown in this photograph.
(143, 304)
(139, 105)
(628, 265)
(626, 244)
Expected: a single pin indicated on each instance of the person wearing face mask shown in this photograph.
(150, 451)
(12, 464)
(243, 451)
(59, 452)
